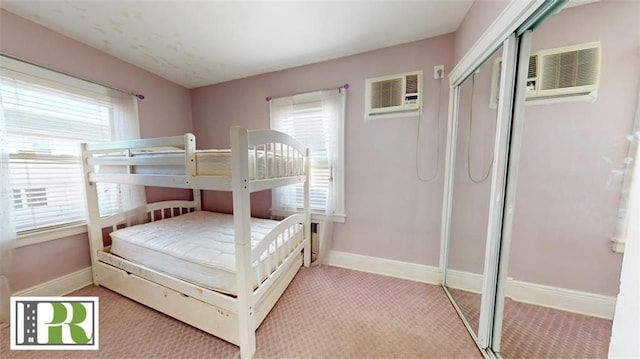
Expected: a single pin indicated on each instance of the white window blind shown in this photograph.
(314, 120)
(44, 123)
(309, 125)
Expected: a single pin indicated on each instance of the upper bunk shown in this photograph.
(263, 159)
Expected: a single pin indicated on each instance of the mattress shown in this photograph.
(208, 163)
(198, 247)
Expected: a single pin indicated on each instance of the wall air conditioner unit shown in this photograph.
(393, 96)
(532, 79)
(558, 75)
(573, 70)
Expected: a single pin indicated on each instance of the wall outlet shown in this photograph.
(438, 72)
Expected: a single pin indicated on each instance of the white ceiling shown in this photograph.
(197, 43)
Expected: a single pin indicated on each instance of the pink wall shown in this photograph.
(479, 17)
(32, 265)
(165, 111)
(390, 213)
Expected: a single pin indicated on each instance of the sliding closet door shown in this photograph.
(573, 164)
(476, 167)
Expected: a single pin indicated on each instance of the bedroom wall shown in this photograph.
(390, 213)
(479, 17)
(568, 187)
(165, 111)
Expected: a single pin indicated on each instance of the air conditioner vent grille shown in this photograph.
(386, 93)
(412, 84)
(571, 69)
(533, 67)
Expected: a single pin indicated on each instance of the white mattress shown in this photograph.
(208, 163)
(198, 247)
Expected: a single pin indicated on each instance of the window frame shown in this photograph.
(56, 81)
(338, 174)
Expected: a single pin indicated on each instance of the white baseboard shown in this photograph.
(470, 282)
(595, 305)
(411, 271)
(59, 286)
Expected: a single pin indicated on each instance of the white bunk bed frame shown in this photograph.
(232, 319)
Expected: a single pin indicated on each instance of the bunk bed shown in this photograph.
(239, 277)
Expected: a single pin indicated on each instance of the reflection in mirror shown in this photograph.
(472, 165)
(574, 177)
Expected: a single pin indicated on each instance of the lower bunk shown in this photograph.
(146, 262)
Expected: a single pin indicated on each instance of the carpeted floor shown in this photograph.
(531, 331)
(325, 313)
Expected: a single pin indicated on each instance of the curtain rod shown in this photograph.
(345, 86)
(139, 96)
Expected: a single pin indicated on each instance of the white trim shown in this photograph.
(315, 216)
(513, 165)
(368, 119)
(49, 235)
(391, 268)
(449, 172)
(59, 286)
(320, 217)
(504, 25)
(498, 183)
(595, 305)
(467, 281)
(589, 97)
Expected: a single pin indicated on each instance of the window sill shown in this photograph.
(337, 217)
(49, 235)
(315, 216)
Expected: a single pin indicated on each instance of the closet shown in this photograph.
(542, 140)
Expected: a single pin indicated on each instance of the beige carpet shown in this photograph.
(531, 331)
(325, 313)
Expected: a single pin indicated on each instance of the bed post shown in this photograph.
(242, 224)
(307, 212)
(94, 230)
(197, 199)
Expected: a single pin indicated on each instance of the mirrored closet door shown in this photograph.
(471, 193)
(476, 173)
(572, 155)
(532, 248)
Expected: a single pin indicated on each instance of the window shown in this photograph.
(315, 119)
(44, 118)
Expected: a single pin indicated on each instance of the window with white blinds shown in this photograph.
(43, 124)
(316, 122)
(308, 125)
